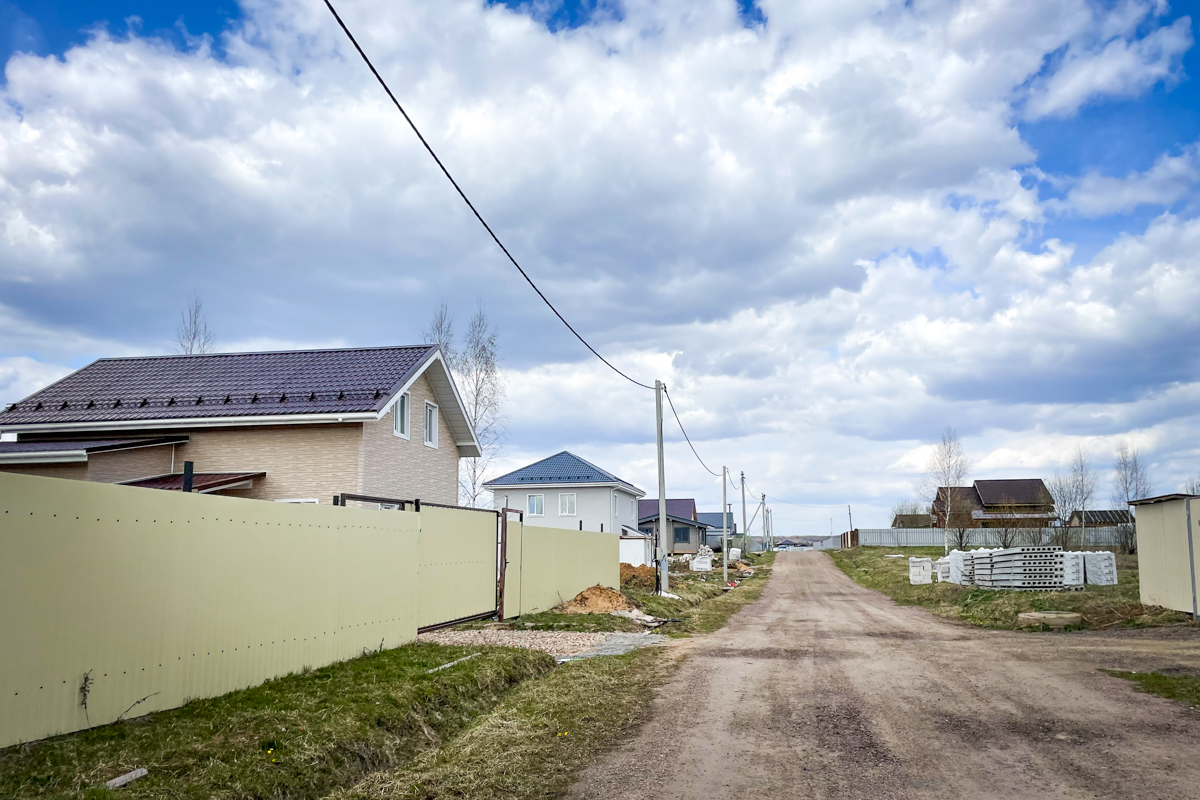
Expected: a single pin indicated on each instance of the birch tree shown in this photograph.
(948, 467)
(481, 385)
(1131, 481)
(194, 335)
(1072, 492)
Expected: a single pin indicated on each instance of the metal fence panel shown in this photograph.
(457, 569)
(558, 564)
(513, 570)
(981, 537)
(1164, 577)
(163, 597)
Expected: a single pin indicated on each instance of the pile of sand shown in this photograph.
(637, 577)
(595, 600)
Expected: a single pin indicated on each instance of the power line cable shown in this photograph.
(685, 433)
(471, 205)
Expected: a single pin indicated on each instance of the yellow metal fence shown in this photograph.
(141, 598)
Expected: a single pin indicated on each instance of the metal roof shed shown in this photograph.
(1166, 551)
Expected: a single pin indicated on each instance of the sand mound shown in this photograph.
(595, 600)
(637, 577)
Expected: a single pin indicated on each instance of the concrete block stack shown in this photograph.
(1100, 568)
(920, 570)
(941, 569)
(1034, 568)
(1073, 570)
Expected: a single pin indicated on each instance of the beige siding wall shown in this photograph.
(126, 465)
(1162, 551)
(548, 566)
(75, 472)
(407, 469)
(301, 461)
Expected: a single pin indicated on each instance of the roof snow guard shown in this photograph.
(561, 468)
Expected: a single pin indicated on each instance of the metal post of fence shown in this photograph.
(1187, 504)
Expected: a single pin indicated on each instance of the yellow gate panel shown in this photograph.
(457, 565)
(558, 564)
(514, 546)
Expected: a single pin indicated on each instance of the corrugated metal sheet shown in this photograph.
(457, 569)
(167, 597)
(1163, 554)
(558, 564)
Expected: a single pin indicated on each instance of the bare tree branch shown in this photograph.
(1131, 481)
(948, 468)
(440, 331)
(194, 335)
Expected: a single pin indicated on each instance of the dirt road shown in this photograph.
(824, 689)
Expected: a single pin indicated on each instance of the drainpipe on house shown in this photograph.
(187, 475)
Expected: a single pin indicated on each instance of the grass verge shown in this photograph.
(300, 736)
(1102, 607)
(539, 737)
(1183, 688)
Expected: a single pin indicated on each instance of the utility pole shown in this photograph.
(724, 529)
(762, 509)
(662, 493)
(849, 514)
(745, 530)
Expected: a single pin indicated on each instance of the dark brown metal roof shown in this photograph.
(1102, 517)
(1016, 491)
(201, 481)
(223, 385)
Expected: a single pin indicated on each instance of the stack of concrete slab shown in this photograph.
(1031, 568)
(941, 569)
(1100, 568)
(920, 570)
(961, 572)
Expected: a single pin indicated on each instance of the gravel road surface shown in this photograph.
(824, 689)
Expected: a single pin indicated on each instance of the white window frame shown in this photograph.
(431, 442)
(403, 404)
(563, 496)
(529, 505)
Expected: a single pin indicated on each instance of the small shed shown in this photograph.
(1167, 563)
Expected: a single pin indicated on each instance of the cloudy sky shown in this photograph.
(833, 228)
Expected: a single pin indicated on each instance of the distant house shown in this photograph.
(912, 521)
(565, 491)
(713, 520)
(1020, 502)
(687, 531)
(1100, 519)
(296, 426)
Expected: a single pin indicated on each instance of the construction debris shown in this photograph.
(643, 577)
(703, 560)
(1051, 619)
(595, 600)
(920, 570)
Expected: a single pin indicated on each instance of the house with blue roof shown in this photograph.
(565, 491)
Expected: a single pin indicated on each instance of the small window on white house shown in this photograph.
(566, 505)
(431, 424)
(536, 505)
(400, 422)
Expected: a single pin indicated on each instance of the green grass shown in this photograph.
(1184, 688)
(298, 737)
(537, 739)
(1102, 607)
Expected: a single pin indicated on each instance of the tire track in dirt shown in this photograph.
(824, 689)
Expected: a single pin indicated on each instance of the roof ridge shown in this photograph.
(265, 352)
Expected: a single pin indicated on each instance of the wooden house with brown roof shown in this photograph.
(1014, 502)
(297, 426)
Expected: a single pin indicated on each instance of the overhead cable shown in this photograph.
(685, 434)
(471, 205)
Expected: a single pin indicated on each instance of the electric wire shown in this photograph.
(471, 205)
(679, 422)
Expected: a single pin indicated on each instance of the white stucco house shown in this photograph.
(565, 491)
